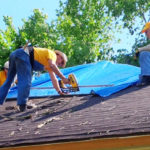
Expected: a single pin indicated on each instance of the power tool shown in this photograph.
(73, 86)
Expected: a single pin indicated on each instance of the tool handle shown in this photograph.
(61, 84)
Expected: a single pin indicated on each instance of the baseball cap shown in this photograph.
(146, 27)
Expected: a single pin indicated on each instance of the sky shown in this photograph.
(22, 9)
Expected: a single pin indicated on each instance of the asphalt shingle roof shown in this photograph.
(77, 117)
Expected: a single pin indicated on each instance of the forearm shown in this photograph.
(57, 72)
(54, 81)
(56, 85)
(145, 48)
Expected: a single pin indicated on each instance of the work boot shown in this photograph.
(145, 81)
(22, 107)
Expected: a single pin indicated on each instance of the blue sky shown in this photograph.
(22, 9)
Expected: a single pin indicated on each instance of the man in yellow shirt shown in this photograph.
(3, 73)
(23, 61)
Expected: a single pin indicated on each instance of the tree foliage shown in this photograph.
(128, 11)
(37, 30)
(84, 31)
(133, 14)
(7, 40)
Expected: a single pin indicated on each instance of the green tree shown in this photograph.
(132, 14)
(128, 11)
(37, 31)
(7, 40)
(84, 31)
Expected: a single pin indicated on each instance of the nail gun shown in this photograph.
(73, 84)
(73, 87)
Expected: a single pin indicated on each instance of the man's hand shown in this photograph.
(61, 93)
(65, 81)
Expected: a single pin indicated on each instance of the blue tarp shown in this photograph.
(103, 72)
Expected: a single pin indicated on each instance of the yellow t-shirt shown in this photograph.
(3, 77)
(42, 55)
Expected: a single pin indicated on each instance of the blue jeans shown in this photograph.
(20, 65)
(144, 60)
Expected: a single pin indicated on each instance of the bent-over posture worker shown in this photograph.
(23, 61)
(3, 73)
(144, 59)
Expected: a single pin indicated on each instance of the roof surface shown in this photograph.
(77, 117)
